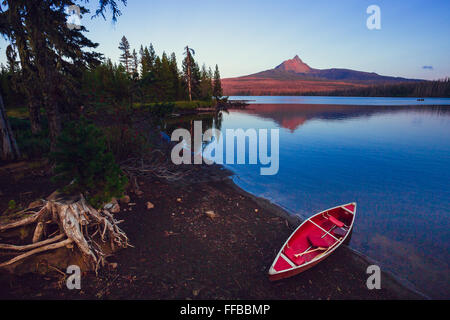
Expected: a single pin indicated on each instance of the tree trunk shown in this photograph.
(54, 123)
(10, 150)
(35, 115)
(188, 57)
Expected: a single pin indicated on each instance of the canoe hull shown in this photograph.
(294, 272)
(347, 211)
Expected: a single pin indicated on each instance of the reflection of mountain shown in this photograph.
(292, 116)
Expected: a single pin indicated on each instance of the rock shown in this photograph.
(150, 205)
(125, 199)
(178, 199)
(110, 204)
(256, 210)
(211, 214)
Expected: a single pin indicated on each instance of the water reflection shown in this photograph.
(210, 120)
(394, 161)
(292, 116)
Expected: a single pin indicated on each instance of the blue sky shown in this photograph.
(248, 36)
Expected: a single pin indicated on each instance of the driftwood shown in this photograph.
(76, 223)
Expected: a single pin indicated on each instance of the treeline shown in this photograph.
(146, 77)
(425, 89)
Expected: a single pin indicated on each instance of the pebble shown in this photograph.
(211, 214)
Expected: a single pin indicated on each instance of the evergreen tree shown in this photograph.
(145, 68)
(217, 90)
(166, 80)
(188, 64)
(135, 65)
(175, 77)
(151, 58)
(125, 56)
(52, 53)
(205, 84)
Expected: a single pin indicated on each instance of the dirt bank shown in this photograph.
(204, 240)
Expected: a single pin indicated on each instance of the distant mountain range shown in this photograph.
(293, 76)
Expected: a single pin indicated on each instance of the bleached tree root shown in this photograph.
(77, 223)
(37, 250)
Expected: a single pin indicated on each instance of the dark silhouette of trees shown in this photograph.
(418, 89)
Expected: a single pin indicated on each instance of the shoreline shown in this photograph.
(294, 220)
(205, 238)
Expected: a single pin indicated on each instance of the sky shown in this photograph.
(249, 36)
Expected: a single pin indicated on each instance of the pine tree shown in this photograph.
(166, 80)
(187, 69)
(175, 77)
(217, 88)
(135, 65)
(50, 52)
(125, 57)
(143, 52)
(51, 55)
(205, 84)
(151, 57)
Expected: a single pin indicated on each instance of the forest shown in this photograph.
(419, 89)
(85, 121)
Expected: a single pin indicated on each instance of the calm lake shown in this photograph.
(391, 156)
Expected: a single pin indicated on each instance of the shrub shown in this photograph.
(31, 146)
(81, 159)
(124, 142)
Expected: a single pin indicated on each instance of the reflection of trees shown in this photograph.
(209, 121)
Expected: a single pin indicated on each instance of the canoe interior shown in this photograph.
(299, 241)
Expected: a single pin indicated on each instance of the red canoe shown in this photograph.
(313, 241)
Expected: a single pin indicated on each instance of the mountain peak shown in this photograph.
(295, 64)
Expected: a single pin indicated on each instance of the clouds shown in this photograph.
(427, 67)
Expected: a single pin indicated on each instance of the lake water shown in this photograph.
(391, 156)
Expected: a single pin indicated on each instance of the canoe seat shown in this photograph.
(290, 253)
(317, 241)
(337, 222)
(339, 232)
